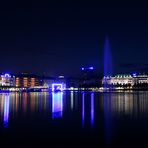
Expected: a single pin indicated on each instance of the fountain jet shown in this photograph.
(107, 60)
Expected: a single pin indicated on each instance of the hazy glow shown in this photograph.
(92, 109)
(57, 86)
(83, 109)
(6, 111)
(57, 104)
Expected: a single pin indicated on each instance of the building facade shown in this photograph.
(140, 79)
(120, 80)
(7, 80)
(27, 80)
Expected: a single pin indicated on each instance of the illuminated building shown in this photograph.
(27, 80)
(140, 79)
(48, 81)
(7, 80)
(57, 87)
(118, 79)
(122, 80)
(61, 80)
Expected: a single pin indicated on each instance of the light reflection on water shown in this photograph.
(131, 104)
(57, 105)
(92, 109)
(71, 97)
(83, 109)
(6, 110)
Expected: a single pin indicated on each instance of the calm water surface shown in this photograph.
(115, 119)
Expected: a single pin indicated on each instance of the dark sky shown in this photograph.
(59, 38)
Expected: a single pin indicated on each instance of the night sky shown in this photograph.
(59, 38)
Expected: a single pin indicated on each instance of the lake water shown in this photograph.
(74, 119)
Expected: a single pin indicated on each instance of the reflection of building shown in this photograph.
(7, 80)
(27, 80)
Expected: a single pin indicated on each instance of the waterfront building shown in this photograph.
(7, 80)
(125, 80)
(27, 80)
(118, 80)
(48, 81)
(140, 79)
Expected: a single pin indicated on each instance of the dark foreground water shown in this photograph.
(74, 119)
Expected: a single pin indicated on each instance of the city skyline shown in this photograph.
(73, 73)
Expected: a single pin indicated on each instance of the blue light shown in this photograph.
(88, 68)
(7, 75)
(91, 68)
(134, 74)
(57, 87)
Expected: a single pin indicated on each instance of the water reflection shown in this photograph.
(16, 102)
(6, 110)
(71, 97)
(107, 118)
(92, 109)
(83, 109)
(57, 104)
(24, 102)
(88, 105)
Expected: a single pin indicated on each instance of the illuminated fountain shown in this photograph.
(107, 60)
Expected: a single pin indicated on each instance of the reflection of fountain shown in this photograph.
(92, 109)
(57, 104)
(6, 111)
(107, 60)
(107, 118)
